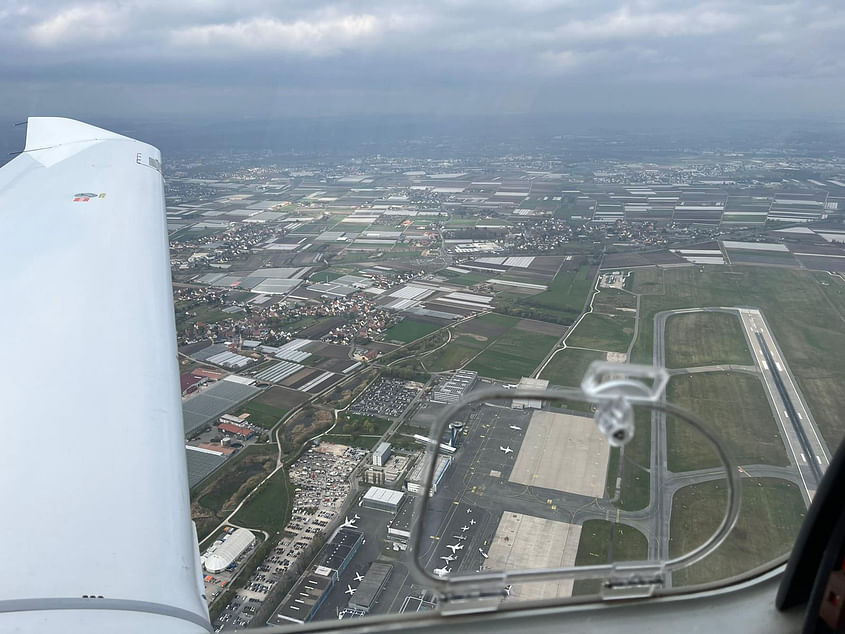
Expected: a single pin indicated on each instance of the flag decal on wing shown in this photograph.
(84, 198)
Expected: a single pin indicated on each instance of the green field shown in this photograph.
(568, 292)
(213, 498)
(515, 354)
(733, 405)
(599, 331)
(453, 355)
(465, 279)
(269, 507)
(772, 511)
(562, 303)
(806, 318)
(196, 313)
(705, 339)
(604, 542)
(409, 330)
(262, 414)
(568, 366)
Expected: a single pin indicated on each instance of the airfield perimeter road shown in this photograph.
(659, 510)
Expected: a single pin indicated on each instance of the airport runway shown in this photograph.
(801, 473)
(806, 448)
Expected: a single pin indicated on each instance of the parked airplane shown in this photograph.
(350, 523)
(449, 558)
(483, 554)
(461, 538)
(455, 547)
(516, 428)
(442, 572)
(350, 590)
(471, 522)
(359, 577)
(464, 528)
(508, 590)
(507, 449)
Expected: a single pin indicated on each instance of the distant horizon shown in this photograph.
(344, 133)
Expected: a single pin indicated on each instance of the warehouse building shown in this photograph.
(368, 593)
(416, 481)
(381, 454)
(239, 431)
(338, 553)
(526, 383)
(399, 528)
(305, 598)
(382, 499)
(224, 553)
(453, 389)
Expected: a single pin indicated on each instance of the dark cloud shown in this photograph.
(263, 58)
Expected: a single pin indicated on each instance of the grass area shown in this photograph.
(705, 339)
(806, 318)
(514, 355)
(561, 303)
(772, 511)
(568, 366)
(733, 405)
(263, 414)
(189, 313)
(568, 291)
(453, 355)
(604, 542)
(269, 508)
(636, 487)
(604, 332)
(214, 498)
(324, 276)
(467, 279)
(409, 330)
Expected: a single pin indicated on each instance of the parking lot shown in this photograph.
(320, 479)
(386, 398)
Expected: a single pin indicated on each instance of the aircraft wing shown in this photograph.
(94, 486)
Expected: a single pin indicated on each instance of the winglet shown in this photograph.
(45, 132)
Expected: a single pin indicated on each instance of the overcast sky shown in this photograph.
(265, 58)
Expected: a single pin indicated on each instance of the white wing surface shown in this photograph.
(95, 530)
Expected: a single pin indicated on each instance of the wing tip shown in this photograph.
(44, 132)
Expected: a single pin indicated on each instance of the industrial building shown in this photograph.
(381, 454)
(239, 431)
(417, 477)
(223, 553)
(526, 383)
(305, 598)
(382, 499)
(338, 553)
(451, 390)
(399, 527)
(367, 594)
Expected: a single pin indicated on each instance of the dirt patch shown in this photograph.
(281, 397)
(541, 327)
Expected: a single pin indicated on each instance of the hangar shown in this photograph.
(223, 554)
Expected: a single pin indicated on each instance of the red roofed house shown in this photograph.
(236, 430)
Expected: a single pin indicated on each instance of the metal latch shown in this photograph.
(482, 595)
(633, 580)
